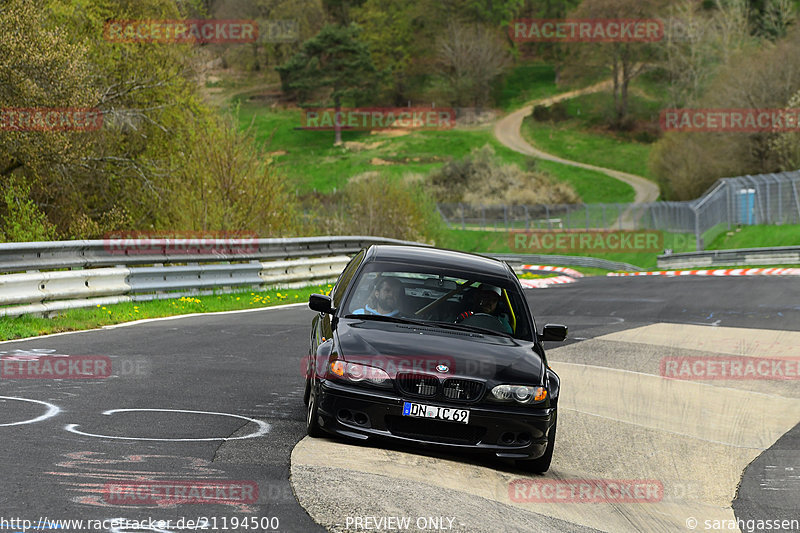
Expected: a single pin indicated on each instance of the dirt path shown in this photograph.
(507, 131)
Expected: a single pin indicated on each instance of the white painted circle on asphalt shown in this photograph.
(52, 410)
(263, 427)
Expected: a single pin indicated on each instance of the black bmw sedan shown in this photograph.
(436, 347)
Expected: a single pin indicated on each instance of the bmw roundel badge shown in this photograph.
(442, 368)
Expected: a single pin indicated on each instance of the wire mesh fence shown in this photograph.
(744, 200)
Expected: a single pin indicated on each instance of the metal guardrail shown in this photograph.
(102, 272)
(23, 256)
(738, 257)
(47, 277)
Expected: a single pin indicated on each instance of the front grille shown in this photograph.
(464, 390)
(418, 384)
(434, 430)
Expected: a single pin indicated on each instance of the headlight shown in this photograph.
(358, 373)
(519, 393)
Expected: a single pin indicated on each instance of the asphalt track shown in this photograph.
(214, 377)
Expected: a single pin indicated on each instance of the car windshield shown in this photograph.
(434, 297)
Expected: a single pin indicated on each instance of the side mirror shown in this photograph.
(320, 303)
(553, 332)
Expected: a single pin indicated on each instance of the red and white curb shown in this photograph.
(545, 282)
(717, 272)
(546, 268)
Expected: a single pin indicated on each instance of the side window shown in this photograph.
(345, 277)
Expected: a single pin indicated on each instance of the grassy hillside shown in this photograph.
(311, 162)
(757, 237)
(582, 134)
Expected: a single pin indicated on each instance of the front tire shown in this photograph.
(307, 392)
(312, 416)
(542, 464)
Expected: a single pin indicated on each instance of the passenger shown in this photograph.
(386, 298)
(486, 302)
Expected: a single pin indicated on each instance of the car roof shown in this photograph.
(437, 257)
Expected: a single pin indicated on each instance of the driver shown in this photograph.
(385, 299)
(486, 303)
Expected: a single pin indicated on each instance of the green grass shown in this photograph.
(95, 317)
(591, 186)
(757, 237)
(584, 136)
(525, 83)
(565, 140)
(311, 162)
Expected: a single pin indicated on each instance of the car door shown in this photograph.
(321, 325)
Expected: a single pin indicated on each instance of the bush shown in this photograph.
(479, 179)
(556, 112)
(21, 220)
(385, 207)
(225, 183)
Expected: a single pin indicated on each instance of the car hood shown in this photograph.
(407, 348)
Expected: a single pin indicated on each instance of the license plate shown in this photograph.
(437, 413)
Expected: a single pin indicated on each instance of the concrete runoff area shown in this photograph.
(694, 438)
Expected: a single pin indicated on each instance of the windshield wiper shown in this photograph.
(431, 324)
(384, 318)
(476, 329)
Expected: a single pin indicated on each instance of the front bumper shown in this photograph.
(377, 414)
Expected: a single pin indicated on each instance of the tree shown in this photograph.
(470, 58)
(494, 13)
(547, 9)
(334, 61)
(771, 18)
(40, 67)
(339, 10)
(228, 185)
(626, 60)
(400, 36)
(687, 163)
(697, 42)
(121, 176)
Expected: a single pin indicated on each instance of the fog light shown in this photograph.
(507, 438)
